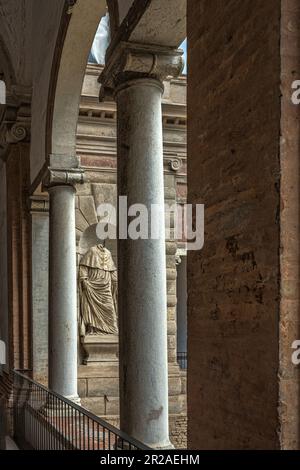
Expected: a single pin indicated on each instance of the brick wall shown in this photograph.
(18, 257)
(3, 260)
(178, 431)
(233, 311)
(289, 396)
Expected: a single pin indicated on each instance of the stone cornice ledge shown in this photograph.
(131, 61)
(62, 177)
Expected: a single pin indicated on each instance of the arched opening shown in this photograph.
(73, 58)
(56, 148)
(97, 148)
(65, 147)
(243, 312)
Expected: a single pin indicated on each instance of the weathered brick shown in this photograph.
(234, 167)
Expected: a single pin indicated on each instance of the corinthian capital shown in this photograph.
(131, 61)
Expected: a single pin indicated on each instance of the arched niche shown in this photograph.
(89, 238)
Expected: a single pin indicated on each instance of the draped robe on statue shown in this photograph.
(98, 292)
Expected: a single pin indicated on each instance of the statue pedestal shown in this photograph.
(100, 348)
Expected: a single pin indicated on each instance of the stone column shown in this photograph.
(62, 282)
(15, 151)
(40, 287)
(138, 88)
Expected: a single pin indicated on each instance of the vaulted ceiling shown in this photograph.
(16, 40)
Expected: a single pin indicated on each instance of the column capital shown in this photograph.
(39, 204)
(15, 122)
(131, 61)
(63, 177)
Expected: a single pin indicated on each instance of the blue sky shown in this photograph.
(102, 40)
(184, 47)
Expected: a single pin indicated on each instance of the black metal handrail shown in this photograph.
(182, 360)
(44, 420)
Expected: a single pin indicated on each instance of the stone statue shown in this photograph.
(98, 293)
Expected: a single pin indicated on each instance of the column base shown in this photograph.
(75, 399)
(125, 446)
(53, 408)
(166, 446)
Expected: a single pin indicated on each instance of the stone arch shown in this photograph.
(78, 27)
(87, 220)
(88, 239)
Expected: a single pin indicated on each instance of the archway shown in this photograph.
(68, 73)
